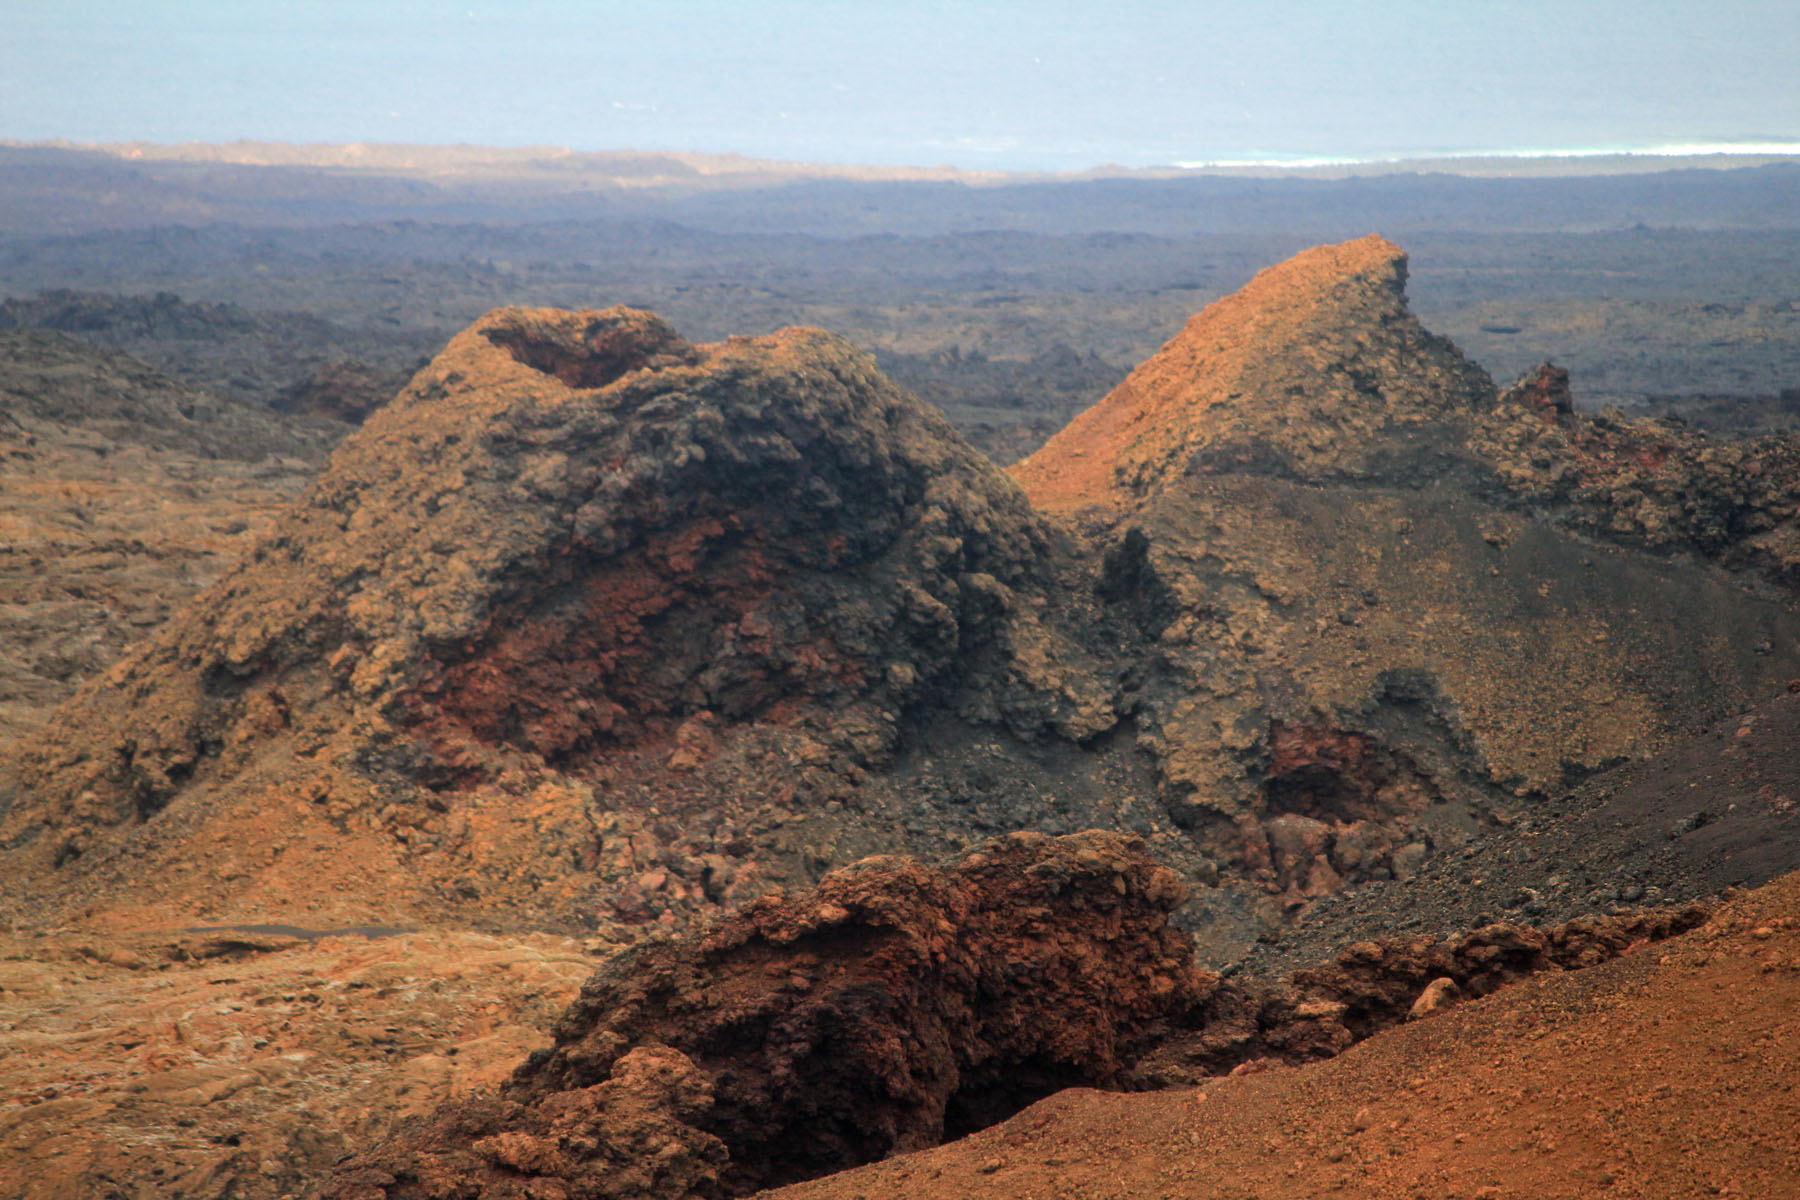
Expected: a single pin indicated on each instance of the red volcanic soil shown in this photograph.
(1666, 1073)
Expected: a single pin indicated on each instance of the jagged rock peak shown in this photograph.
(1316, 367)
(570, 533)
(1542, 391)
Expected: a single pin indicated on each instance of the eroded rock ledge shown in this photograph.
(892, 1007)
(898, 1006)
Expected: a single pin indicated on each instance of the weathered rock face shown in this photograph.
(898, 1006)
(893, 1007)
(593, 625)
(1523, 1093)
(576, 545)
(1374, 609)
(1656, 484)
(1374, 985)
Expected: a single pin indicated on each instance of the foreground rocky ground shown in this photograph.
(898, 1007)
(243, 1063)
(1666, 1073)
(894, 1008)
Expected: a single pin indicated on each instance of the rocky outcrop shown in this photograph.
(1371, 624)
(891, 1008)
(1525, 1092)
(1543, 392)
(594, 627)
(1372, 985)
(896, 1007)
(1652, 483)
(1315, 369)
(579, 548)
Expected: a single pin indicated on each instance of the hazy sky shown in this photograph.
(1049, 84)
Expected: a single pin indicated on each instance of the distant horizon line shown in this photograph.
(1300, 162)
(1250, 161)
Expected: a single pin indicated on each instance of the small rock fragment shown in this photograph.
(1439, 995)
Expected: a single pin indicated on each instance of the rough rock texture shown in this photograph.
(241, 1064)
(1658, 484)
(1314, 369)
(897, 1006)
(596, 627)
(893, 1006)
(122, 493)
(578, 548)
(1374, 984)
(1367, 635)
(1665, 1072)
(1716, 811)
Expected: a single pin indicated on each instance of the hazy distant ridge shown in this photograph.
(637, 167)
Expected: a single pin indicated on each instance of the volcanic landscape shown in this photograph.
(594, 762)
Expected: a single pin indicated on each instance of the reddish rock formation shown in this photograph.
(897, 1006)
(593, 626)
(1664, 1073)
(1543, 391)
(893, 1007)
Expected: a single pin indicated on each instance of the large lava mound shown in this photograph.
(576, 535)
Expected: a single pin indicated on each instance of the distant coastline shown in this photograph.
(1755, 149)
(1580, 160)
(641, 167)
